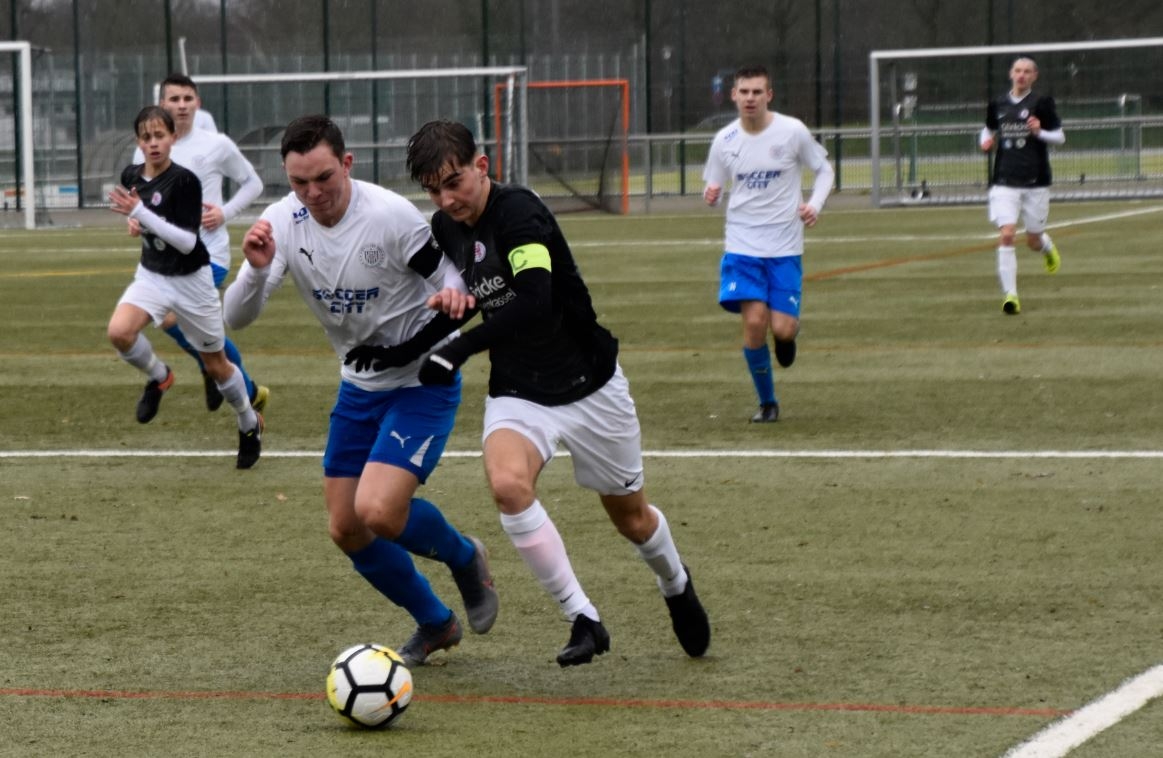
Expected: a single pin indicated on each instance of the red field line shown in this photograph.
(602, 702)
(888, 262)
(936, 256)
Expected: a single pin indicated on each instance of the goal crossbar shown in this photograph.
(515, 76)
(24, 113)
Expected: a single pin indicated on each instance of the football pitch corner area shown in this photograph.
(1087, 722)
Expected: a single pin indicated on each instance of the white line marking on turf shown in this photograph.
(820, 454)
(824, 239)
(1064, 735)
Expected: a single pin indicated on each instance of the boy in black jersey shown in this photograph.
(173, 275)
(1021, 124)
(554, 378)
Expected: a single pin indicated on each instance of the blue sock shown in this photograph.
(429, 535)
(389, 569)
(236, 358)
(759, 364)
(175, 333)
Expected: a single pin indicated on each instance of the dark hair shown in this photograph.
(1024, 57)
(305, 133)
(436, 144)
(178, 80)
(751, 71)
(153, 113)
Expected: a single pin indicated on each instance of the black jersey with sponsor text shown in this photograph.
(176, 195)
(558, 359)
(1021, 160)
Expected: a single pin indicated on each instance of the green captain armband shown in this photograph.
(529, 256)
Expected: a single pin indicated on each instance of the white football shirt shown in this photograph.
(214, 157)
(203, 120)
(354, 276)
(765, 175)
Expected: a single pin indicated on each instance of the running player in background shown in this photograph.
(164, 201)
(762, 156)
(213, 158)
(363, 261)
(1021, 124)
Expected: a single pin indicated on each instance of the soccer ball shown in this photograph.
(369, 685)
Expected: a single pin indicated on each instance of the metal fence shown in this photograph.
(920, 162)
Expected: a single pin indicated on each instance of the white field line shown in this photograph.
(823, 239)
(1064, 735)
(815, 454)
(813, 238)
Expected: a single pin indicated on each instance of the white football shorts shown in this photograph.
(600, 431)
(192, 298)
(1031, 204)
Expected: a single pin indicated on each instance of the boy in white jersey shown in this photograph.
(363, 261)
(213, 158)
(762, 155)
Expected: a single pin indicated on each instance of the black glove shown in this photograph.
(377, 357)
(440, 367)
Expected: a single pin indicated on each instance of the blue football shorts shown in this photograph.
(220, 273)
(406, 427)
(778, 282)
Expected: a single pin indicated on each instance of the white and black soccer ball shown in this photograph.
(368, 685)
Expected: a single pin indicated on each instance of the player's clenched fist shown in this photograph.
(259, 244)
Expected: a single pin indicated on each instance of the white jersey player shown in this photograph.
(355, 276)
(762, 156)
(364, 262)
(204, 120)
(765, 171)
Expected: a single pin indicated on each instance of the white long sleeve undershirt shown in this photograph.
(181, 239)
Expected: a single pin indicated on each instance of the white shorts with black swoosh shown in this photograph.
(600, 431)
(193, 299)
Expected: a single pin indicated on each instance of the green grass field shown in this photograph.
(950, 539)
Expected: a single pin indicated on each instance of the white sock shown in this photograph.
(1007, 269)
(1047, 243)
(661, 556)
(234, 391)
(537, 540)
(141, 356)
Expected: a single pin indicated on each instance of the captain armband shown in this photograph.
(529, 256)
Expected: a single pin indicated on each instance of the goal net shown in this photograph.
(16, 134)
(378, 112)
(928, 108)
(578, 142)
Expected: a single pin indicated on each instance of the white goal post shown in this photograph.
(956, 139)
(512, 120)
(24, 113)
